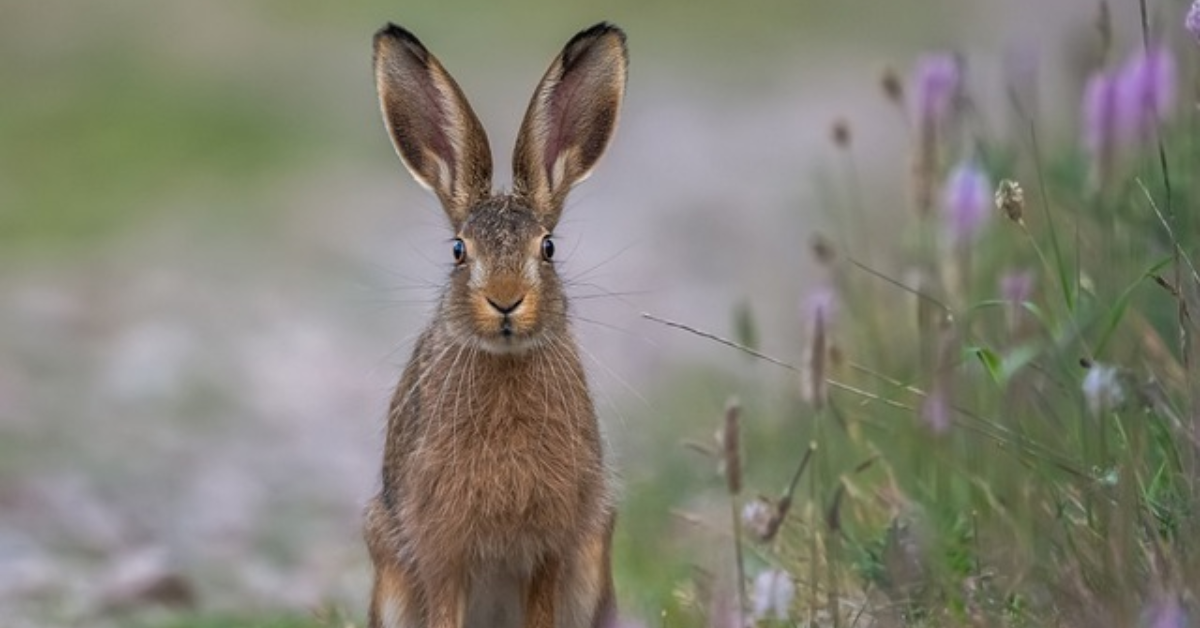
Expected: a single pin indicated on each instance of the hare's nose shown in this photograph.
(506, 308)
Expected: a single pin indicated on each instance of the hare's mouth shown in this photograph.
(508, 325)
(507, 342)
(504, 334)
(514, 331)
(507, 334)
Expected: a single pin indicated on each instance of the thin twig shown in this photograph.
(1178, 249)
(791, 489)
(1181, 312)
(731, 452)
(1068, 294)
(911, 290)
(784, 505)
(725, 341)
(988, 428)
(776, 361)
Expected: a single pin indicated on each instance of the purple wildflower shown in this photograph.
(819, 307)
(1166, 613)
(1020, 67)
(1192, 21)
(1099, 115)
(967, 202)
(1146, 92)
(1017, 286)
(936, 411)
(820, 304)
(937, 81)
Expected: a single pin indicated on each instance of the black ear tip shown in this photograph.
(597, 31)
(392, 32)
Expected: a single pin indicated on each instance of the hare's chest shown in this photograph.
(528, 466)
(500, 463)
(512, 480)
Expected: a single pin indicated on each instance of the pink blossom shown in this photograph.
(1099, 114)
(1146, 92)
(1166, 613)
(936, 411)
(1016, 287)
(820, 306)
(938, 81)
(966, 202)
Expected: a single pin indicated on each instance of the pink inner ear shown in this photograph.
(434, 118)
(560, 125)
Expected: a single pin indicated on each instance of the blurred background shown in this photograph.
(212, 264)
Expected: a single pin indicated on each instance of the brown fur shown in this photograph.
(495, 508)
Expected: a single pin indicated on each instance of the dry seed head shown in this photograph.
(815, 388)
(837, 357)
(1010, 199)
(731, 447)
(924, 162)
(1104, 27)
(833, 516)
(892, 87)
(840, 132)
(822, 249)
(819, 305)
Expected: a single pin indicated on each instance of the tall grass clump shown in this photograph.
(1001, 414)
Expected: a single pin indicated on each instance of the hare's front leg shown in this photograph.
(541, 594)
(395, 597)
(445, 588)
(394, 602)
(586, 592)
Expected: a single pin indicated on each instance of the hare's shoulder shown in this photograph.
(412, 375)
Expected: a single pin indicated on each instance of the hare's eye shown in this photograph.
(547, 248)
(460, 251)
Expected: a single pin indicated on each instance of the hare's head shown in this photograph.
(504, 291)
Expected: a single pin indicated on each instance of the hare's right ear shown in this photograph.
(570, 119)
(434, 130)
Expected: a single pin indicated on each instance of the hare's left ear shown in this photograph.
(433, 128)
(570, 119)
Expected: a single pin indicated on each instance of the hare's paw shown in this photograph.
(394, 602)
(587, 589)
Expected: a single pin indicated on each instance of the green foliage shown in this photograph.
(1065, 488)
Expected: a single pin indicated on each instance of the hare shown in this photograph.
(495, 509)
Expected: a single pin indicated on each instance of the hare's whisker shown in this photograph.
(629, 387)
(604, 262)
(610, 327)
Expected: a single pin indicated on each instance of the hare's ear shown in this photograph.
(570, 119)
(433, 128)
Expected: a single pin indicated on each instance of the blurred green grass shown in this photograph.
(121, 114)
